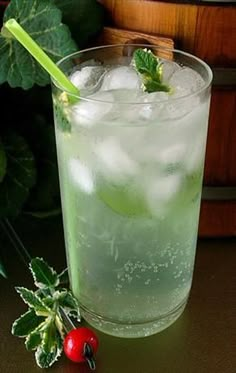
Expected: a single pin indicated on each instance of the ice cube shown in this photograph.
(121, 77)
(153, 105)
(161, 191)
(173, 154)
(86, 113)
(185, 81)
(169, 68)
(164, 187)
(81, 175)
(124, 95)
(88, 78)
(114, 162)
(143, 106)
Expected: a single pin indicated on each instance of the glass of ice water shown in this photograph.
(131, 167)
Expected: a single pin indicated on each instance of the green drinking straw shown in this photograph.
(34, 49)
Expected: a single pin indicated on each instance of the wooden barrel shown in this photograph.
(208, 30)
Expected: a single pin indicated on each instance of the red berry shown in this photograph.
(75, 343)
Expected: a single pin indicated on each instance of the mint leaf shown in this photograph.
(20, 174)
(26, 324)
(33, 340)
(146, 62)
(154, 86)
(42, 20)
(3, 162)
(33, 301)
(44, 276)
(149, 68)
(85, 18)
(50, 349)
(61, 120)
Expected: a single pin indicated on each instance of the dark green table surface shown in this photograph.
(202, 340)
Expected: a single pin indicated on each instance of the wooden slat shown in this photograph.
(215, 39)
(176, 21)
(217, 219)
(220, 167)
(112, 35)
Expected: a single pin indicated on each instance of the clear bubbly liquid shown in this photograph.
(130, 234)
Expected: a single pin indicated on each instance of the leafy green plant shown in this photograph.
(28, 166)
(43, 21)
(43, 325)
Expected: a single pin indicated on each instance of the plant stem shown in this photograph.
(15, 241)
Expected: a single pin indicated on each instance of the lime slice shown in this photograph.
(123, 200)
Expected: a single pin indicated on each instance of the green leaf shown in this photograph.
(43, 274)
(42, 20)
(49, 301)
(33, 340)
(61, 120)
(85, 18)
(150, 69)
(153, 86)
(3, 162)
(33, 301)
(20, 174)
(26, 324)
(146, 62)
(50, 349)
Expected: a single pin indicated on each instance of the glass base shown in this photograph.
(139, 330)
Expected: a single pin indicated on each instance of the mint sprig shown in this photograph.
(150, 69)
(43, 324)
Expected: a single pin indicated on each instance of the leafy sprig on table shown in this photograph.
(43, 325)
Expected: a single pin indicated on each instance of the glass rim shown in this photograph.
(172, 50)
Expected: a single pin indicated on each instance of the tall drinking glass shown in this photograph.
(131, 166)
